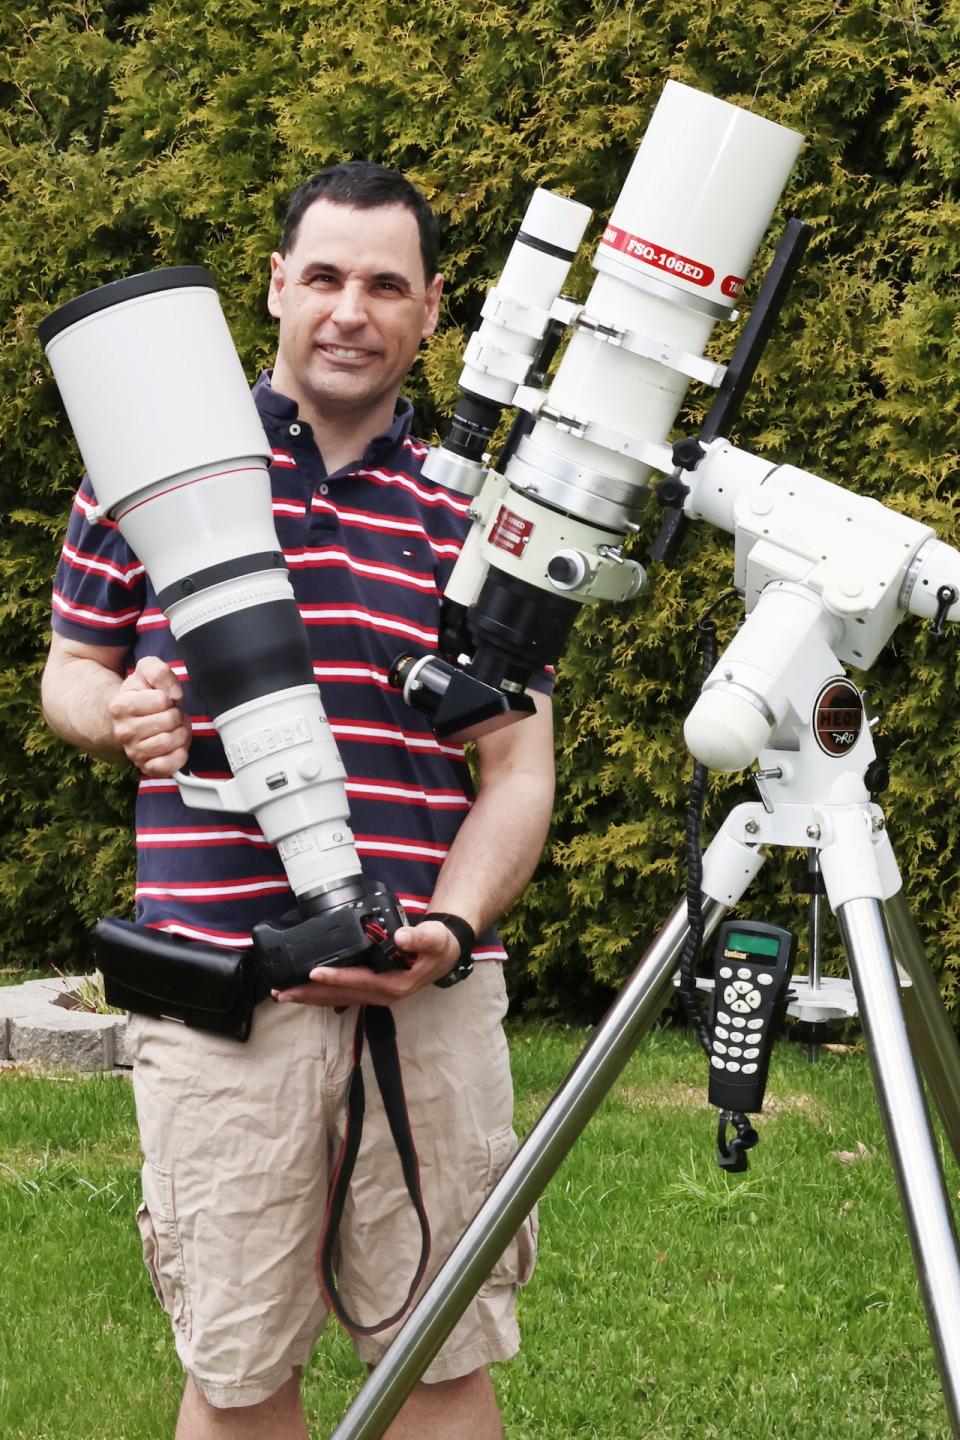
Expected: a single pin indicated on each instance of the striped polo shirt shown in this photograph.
(369, 550)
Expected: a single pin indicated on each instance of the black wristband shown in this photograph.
(465, 936)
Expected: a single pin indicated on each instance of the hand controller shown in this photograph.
(753, 964)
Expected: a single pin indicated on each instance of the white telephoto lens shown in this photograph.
(152, 384)
(177, 454)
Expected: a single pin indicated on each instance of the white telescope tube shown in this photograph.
(176, 453)
(548, 533)
(672, 261)
(681, 238)
(517, 311)
(514, 323)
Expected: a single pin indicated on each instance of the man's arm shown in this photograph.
(499, 843)
(489, 863)
(88, 702)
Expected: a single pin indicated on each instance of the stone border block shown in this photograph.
(36, 1024)
(67, 1038)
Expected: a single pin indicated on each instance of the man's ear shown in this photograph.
(277, 282)
(432, 301)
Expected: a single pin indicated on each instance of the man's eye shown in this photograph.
(390, 286)
(323, 277)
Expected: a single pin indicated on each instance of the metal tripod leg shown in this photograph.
(931, 1034)
(912, 1148)
(523, 1181)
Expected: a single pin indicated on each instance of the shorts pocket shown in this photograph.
(162, 1251)
(518, 1262)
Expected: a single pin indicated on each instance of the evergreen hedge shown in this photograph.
(139, 136)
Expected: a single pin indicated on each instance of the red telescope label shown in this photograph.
(838, 717)
(510, 532)
(681, 267)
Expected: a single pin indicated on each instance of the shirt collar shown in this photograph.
(273, 405)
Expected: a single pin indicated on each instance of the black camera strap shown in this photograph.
(376, 1024)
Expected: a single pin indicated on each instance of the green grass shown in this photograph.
(670, 1301)
(14, 975)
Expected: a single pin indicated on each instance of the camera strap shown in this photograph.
(376, 1024)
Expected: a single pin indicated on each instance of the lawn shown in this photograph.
(671, 1300)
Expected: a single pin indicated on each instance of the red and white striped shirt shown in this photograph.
(369, 550)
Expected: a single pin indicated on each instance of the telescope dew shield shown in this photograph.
(672, 261)
(176, 454)
(698, 198)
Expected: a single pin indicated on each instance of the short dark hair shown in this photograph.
(363, 184)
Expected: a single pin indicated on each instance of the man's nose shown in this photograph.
(350, 309)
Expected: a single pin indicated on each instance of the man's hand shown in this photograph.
(148, 723)
(431, 952)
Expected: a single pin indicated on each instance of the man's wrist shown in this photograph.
(465, 936)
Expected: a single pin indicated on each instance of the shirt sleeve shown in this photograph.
(543, 680)
(100, 585)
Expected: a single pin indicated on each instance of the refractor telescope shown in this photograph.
(551, 518)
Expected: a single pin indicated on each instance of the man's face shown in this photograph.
(353, 305)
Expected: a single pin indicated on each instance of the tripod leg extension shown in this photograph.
(915, 1161)
(523, 1181)
(931, 1034)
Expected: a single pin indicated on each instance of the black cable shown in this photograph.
(696, 799)
(731, 1156)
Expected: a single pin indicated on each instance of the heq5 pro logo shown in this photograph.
(838, 717)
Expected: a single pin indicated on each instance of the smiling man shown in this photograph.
(240, 1141)
(354, 302)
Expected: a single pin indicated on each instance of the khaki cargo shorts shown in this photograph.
(240, 1142)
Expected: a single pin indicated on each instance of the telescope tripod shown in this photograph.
(812, 797)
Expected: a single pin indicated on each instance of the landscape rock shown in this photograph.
(37, 1024)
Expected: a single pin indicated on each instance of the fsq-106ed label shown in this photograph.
(681, 267)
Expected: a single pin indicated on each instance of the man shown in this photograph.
(240, 1140)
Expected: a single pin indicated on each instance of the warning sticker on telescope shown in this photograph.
(680, 266)
(838, 717)
(510, 532)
